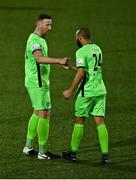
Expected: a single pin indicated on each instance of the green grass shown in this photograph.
(113, 27)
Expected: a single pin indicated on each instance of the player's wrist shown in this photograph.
(71, 91)
(61, 61)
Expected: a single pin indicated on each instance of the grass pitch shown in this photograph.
(113, 27)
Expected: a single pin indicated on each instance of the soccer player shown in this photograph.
(91, 94)
(37, 72)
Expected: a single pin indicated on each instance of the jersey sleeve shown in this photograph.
(35, 45)
(80, 59)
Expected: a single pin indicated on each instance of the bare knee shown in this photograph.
(43, 113)
(98, 120)
(79, 120)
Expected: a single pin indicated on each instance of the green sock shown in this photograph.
(42, 131)
(103, 138)
(76, 136)
(32, 130)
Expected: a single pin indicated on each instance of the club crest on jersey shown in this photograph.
(79, 61)
(36, 47)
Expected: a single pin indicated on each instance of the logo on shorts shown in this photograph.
(48, 104)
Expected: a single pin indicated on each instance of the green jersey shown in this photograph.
(90, 58)
(36, 75)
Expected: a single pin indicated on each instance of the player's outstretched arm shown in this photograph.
(49, 60)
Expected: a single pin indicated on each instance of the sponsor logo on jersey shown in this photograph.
(79, 61)
(36, 47)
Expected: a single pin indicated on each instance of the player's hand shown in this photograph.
(67, 66)
(67, 94)
(64, 61)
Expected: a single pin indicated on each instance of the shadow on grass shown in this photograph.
(89, 162)
(130, 141)
(126, 165)
(114, 166)
(122, 162)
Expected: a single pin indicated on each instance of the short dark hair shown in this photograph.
(84, 32)
(43, 16)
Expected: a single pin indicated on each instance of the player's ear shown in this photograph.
(39, 23)
(80, 38)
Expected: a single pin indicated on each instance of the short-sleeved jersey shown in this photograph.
(36, 75)
(90, 58)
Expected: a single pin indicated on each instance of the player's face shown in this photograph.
(46, 25)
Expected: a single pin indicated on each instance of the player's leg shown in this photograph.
(32, 125)
(43, 132)
(81, 112)
(103, 138)
(31, 133)
(32, 130)
(102, 134)
(42, 106)
(40, 98)
(98, 117)
(75, 140)
(77, 133)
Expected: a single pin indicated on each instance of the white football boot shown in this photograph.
(43, 156)
(29, 151)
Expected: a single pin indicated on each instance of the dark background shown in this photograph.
(113, 27)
